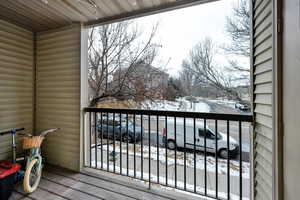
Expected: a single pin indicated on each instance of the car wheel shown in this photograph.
(223, 153)
(127, 138)
(171, 144)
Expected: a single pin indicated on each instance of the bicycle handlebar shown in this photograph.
(45, 132)
(11, 131)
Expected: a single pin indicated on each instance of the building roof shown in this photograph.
(145, 68)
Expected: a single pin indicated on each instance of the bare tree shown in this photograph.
(201, 62)
(186, 77)
(174, 89)
(142, 81)
(238, 29)
(117, 47)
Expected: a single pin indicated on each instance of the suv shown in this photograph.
(222, 150)
(113, 128)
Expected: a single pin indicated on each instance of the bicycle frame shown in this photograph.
(34, 153)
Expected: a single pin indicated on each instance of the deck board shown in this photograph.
(61, 184)
(107, 186)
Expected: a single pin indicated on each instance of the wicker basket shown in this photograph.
(32, 142)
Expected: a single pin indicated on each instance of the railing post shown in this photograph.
(86, 139)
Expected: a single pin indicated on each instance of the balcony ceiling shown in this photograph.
(41, 15)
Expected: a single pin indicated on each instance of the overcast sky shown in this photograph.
(180, 30)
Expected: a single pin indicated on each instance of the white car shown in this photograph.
(242, 106)
(169, 139)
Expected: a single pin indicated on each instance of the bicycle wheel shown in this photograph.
(32, 176)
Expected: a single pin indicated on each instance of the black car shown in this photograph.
(114, 129)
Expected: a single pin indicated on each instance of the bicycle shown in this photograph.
(33, 169)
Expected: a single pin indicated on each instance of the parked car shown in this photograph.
(114, 129)
(244, 106)
(169, 139)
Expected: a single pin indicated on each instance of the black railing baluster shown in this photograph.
(205, 160)
(175, 135)
(114, 144)
(96, 142)
(216, 156)
(142, 149)
(127, 157)
(166, 145)
(134, 153)
(195, 176)
(240, 159)
(149, 131)
(184, 154)
(90, 148)
(101, 121)
(107, 141)
(120, 136)
(157, 144)
(228, 160)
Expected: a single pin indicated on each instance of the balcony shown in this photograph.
(185, 153)
(187, 170)
(42, 70)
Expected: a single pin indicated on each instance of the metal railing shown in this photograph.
(182, 150)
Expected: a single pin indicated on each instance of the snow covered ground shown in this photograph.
(179, 105)
(170, 159)
(171, 183)
(190, 162)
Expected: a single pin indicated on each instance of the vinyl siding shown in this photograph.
(16, 82)
(262, 96)
(58, 94)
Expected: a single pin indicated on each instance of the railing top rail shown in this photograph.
(200, 115)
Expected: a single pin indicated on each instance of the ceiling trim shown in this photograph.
(145, 12)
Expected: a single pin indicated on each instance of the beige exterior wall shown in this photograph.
(16, 82)
(57, 89)
(291, 98)
(58, 94)
(263, 98)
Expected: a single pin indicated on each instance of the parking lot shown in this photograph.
(160, 125)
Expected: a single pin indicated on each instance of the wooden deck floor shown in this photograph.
(60, 184)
